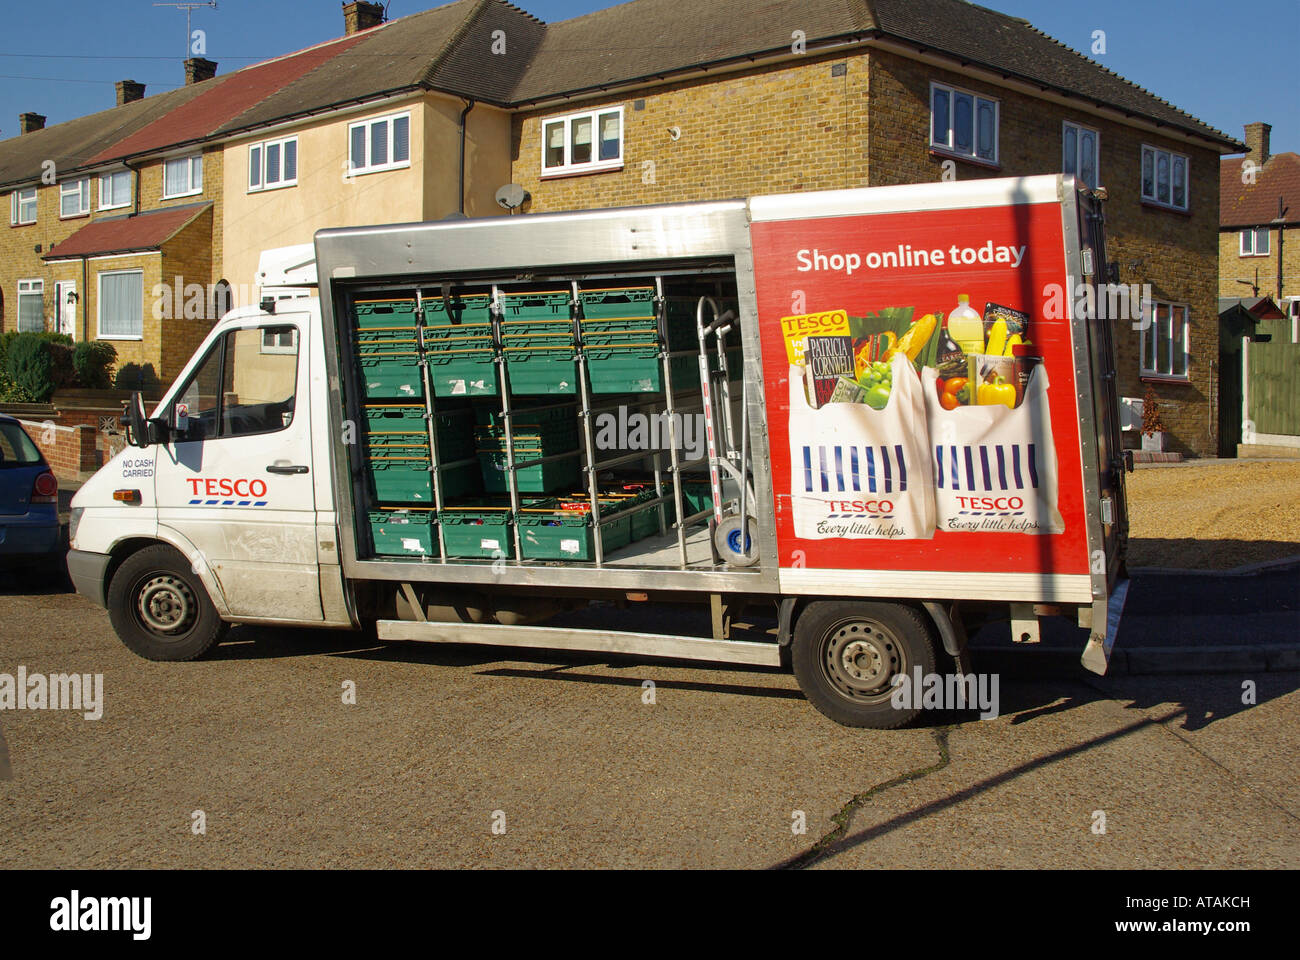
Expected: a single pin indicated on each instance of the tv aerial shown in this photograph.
(189, 9)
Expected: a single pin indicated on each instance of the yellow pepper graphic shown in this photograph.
(995, 393)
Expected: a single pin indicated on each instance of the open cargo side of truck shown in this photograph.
(514, 331)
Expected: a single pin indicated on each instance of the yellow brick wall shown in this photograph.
(1233, 266)
(782, 128)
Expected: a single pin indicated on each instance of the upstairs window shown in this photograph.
(74, 198)
(115, 190)
(963, 123)
(182, 177)
(1079, 151)
(22, 206)
(1164, 178)
(383, 143)
(583, 143)
(273, 164)
(1255, 242)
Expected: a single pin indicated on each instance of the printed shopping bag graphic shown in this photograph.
(859, 473)
(995, 468)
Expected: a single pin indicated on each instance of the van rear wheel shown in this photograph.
(846, 655)
(160, 608)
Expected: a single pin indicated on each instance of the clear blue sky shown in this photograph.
(1227, 64)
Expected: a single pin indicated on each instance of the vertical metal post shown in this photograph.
(430, 420)
(593, 486)
(503, 381)
(661, 315)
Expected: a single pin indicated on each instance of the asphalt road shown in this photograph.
(442, 744)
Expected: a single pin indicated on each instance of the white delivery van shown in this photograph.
(875, 415)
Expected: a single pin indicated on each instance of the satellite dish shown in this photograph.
(512, 196)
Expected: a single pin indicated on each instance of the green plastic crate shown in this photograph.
(542, 372)
(697, 495)
(621, 303)
(459, 310)
(478, 532)
(463, 373)
(403, 533)
(491, 415)
(405, 423)
(408, 480)
(546, 534)
(624, 369)
(385, 314)
(390, 374)
(537, 305)
(538, 478)
(643, 523)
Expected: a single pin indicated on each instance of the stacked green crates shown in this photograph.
(398, 457)
(406, 532)
(388, 349)
(538, 342)
(536, 434)
(459, 346)
(620, 340)
(550, 532)
(478, 531)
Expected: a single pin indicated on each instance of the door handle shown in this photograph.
(287, 470)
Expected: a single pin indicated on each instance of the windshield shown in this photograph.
(16, 448)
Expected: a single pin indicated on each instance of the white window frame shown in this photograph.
(260, 150)
(1079, 130)
(391, 164)
(279, 346)
(19, 199)
(1165, 343)
(595, 164)
(99, 305)
(1152, 198)
(35, 287)
(106, 180)
(1253, 234)
(949, 147)
(195, 161)
(83, 202)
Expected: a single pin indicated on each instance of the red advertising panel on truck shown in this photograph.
(919, 377)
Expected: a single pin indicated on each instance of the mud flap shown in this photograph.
(1096, 655)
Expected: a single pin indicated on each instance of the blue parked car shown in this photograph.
(29, 502)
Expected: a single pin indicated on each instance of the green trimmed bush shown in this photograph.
(30, 363)
(93, 362)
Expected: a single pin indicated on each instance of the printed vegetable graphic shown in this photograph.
(916, 338)
(953, 392)
(997, 392)
(877, 382)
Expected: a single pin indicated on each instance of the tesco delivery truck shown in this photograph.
(832, 430)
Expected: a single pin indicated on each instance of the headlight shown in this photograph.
(73, 522)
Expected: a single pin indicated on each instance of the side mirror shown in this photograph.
(136, 421)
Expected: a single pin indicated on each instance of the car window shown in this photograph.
(245, 385)
(16, 448)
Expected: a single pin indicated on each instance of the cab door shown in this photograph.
(236, 480)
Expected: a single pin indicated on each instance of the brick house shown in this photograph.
(427, 115)
(1259, 213)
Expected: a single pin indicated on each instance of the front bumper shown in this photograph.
(87, 571)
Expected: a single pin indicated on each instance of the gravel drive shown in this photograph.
(1214, 515)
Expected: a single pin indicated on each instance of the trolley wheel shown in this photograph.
(736, 548)
(846, 655)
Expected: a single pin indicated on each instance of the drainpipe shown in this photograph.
(469, 105)
(85, 299)
(135, 192)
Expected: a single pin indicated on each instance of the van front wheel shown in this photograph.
(160, 609)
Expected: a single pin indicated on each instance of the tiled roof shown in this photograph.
(1247, 205)
(146, 231)
(450, 48)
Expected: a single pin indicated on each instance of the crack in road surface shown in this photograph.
(825, 846)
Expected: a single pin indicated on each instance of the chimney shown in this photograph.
(198, 69)
(1257, 142)
(128, 91)
(360, 15)
(30, 122)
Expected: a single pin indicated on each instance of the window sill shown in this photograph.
(366, 171)
(940, 154)
(272, 189)
(584, 172)
(123, 338)
(1164, 378)
(28, 223)
(75, 216)
(1253, 256)
(1166, 208)
(182, 196)
(115, 206)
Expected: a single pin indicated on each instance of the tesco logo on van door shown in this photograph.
(245, 493)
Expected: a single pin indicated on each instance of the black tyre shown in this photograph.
(160, 608)
(846, 654)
